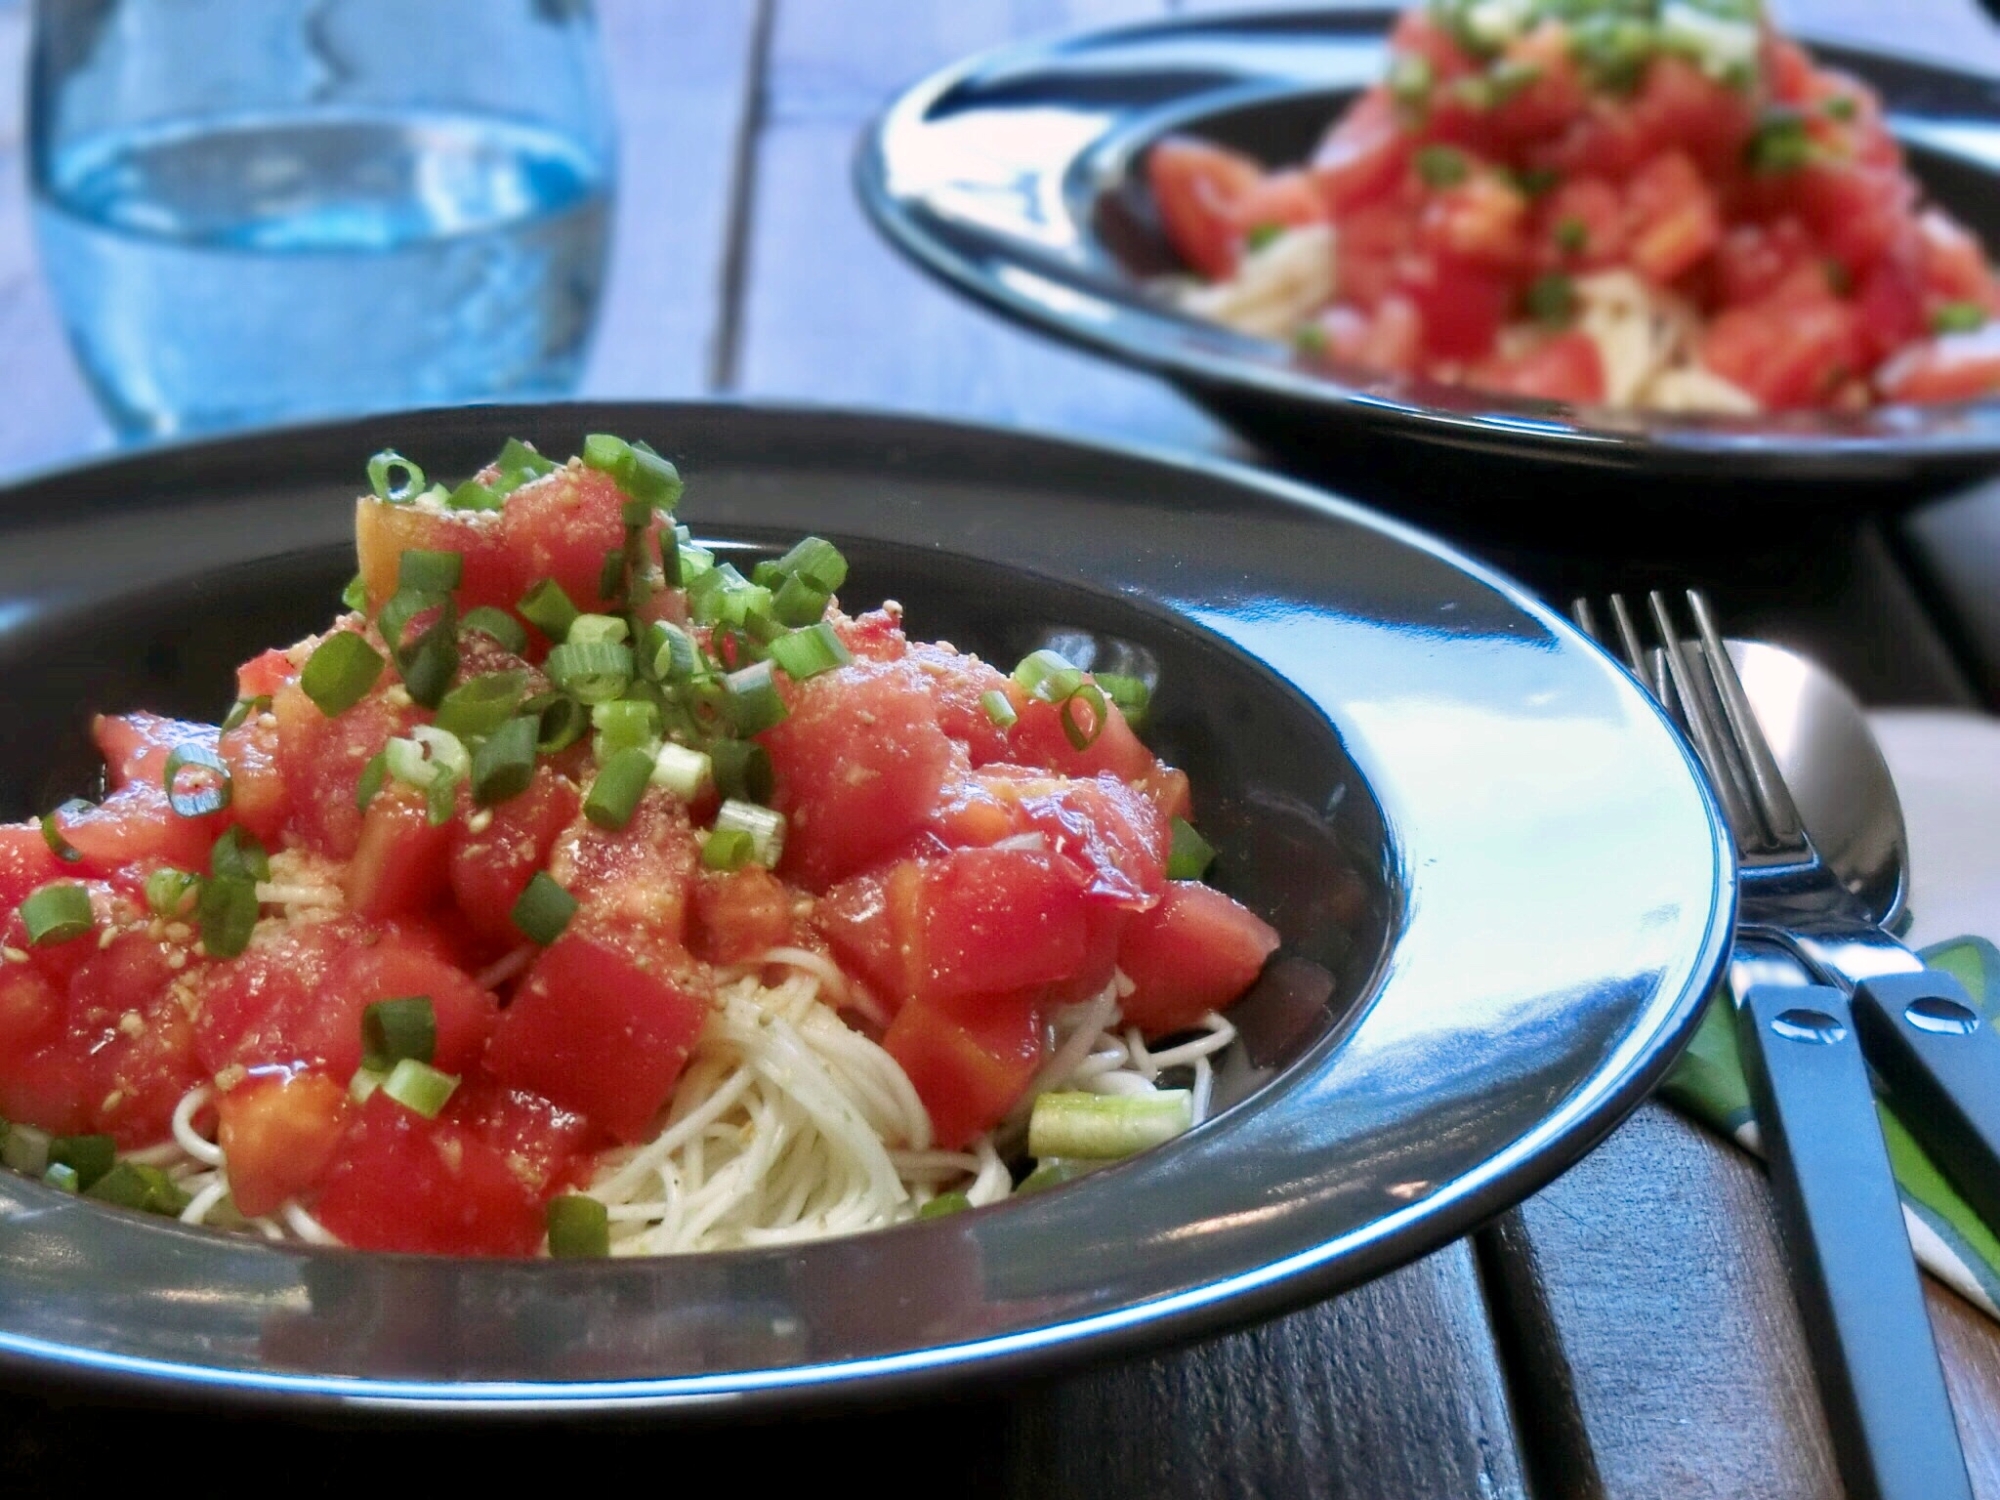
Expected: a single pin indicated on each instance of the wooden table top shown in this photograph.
(1626, 1333)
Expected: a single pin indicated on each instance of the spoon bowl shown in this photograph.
(1838, 778)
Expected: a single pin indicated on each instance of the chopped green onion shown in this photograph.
(168, 889)
(427, 754)
(384, 465)
(362, 1086)
(543, 910)
(753, 701)
(62, 1176)
(504, 764)
(814, 559)
(419, 1087)
(52, 833)
(1958, 317)
(243, 711)
(1535, 181)
(89, 1156)
(1133, 697)
(587, 630)
(238, 856)
(26, 1149)
(373, 775)
(1613, 50)
(591, 673)
(1551, 298)
(57, 913)
(764, 825)
(742, 770)
(560, 721)
(355, 595)
(212, 796)
(798, 602)
(518, 463)
(1054, 1173)
(429, 666)
(339, 673)
(1102, 1127)
(1310, 340)
(1189, 855)
(671, 652)
(684, 772)
(1048, 676)
(1261, 236)
(624, 724)
(579, 1226)
(640, 472)
(999, 708)
(943, 1204)
(1441, 166)
(472, 495)
(392, 1030)
(613, 575)
(620, 783)
(1841, 107)
(441, 800)
(1572, 235)
(727, 849)
(131, 1184)
(498, 624)
(227, 913)
(548, 609)
(1780, 143)
(1082, 735)
(807, 653)
(483, 704)
(429, 572)
(1411, 78)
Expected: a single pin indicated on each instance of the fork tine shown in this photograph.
(1774, 798)
(1635, 654)
(1704, 728)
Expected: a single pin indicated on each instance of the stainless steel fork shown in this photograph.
(1838, 1210)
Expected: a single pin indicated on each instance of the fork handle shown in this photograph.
(1842, 1225)
(1939, 1061)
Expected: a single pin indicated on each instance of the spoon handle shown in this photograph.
(1939, 1061)
(1842, 1225)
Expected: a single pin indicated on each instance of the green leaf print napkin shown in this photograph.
(1950, 1241)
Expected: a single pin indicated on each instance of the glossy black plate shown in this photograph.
(1014, 178)
(1502, 892)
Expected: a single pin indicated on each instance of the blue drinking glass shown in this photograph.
(251, 210)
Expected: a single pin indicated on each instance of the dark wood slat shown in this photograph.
(1391, 1392)
(1954, 545)
(681, 79)
(832, 313)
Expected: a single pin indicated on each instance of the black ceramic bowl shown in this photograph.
(1015, 178)
(1502, 890)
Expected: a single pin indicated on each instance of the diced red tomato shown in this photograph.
(1198, 188)
(1462, 306)
(26, 861)
(858, 763)
(1787, 351)
(401, 865)
(544, 1145)
(969, 1059)
(563, 526)
(1481, 221)
(1283, 200)
(1363, 156)
(1391, 339)
(321, 760)
(264, 674)
(492, 573)
(1673, 219)
(1753, 260)
(639, 874)
(1889, 304)
(740, 915)
(401, 1182)
(1954, 265)
(1193, 953)
(1581, 223)
(1955, 367)
(279, 1129)
(1566, 367)
(1038, 738)
(1856, 212)
(872, 923)
(1680, 108)
(998, 919)
(602, 1025)
(395, 966)
(957, 685)
(490, 868)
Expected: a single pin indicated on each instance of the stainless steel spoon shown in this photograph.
(1838, 778)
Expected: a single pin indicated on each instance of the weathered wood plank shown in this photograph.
(682, 82)
(832, 314)
(1391, 1392)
